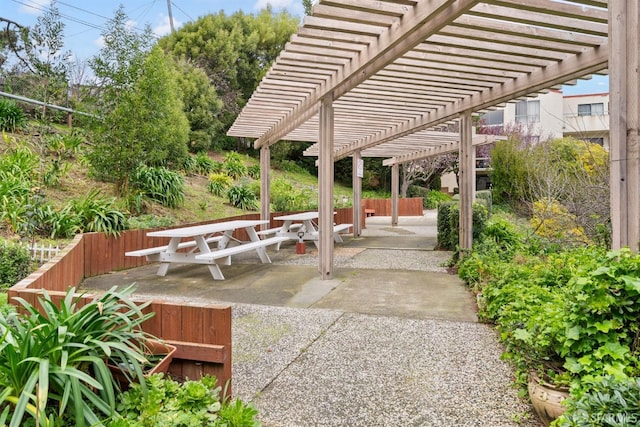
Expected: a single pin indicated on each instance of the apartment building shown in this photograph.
(552, 115)
(549, 115)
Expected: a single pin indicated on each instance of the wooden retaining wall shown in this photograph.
(202, 333)
(406, 207)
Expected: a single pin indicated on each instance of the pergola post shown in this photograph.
(356, 181)
(467, 179)
(325, 196)
(395, 184)
(624, 92)
(265, 187)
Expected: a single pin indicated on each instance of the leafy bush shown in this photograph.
(242, 197)
(553, 221)
(254, 171)
(219, 183)
(98, 214)
(434, 198)
(487, 198)
(150, 221)
(15, 263)
(613, 402)
(449, 224)
(285, 197)
(191, 403)
(12, 118)
(233, 165)
(160, 184)
(64, 223)
(204, 164)
(53, 365)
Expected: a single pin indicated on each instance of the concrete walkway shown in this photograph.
(391, 340)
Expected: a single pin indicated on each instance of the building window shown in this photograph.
(591, 109)
(528, 112)
(599, 141)
(493, 118)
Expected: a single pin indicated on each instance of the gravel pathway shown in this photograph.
(308, 367)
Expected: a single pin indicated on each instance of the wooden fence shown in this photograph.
(406, 207)
(202, 333)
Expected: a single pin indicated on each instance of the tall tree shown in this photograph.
(44, 56)
(235, 51)
(141, 108)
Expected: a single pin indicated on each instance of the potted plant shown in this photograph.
(158, 356)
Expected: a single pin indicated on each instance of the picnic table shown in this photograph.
(302, 226)
(199, 237)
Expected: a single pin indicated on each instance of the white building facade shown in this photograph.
(549, 115)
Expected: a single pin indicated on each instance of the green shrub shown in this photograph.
(204, 163)
(160, 184)
(613, 402)
(219, 183)
(64, 223)
(191, 403)
(434, 198)
(487, 197)
(509, 171)
(12, 118)
(285, 197)
(96, 214)
(233, 165)
(53, 366)
(254, 171)
(15, 263)
(199, 140)
(448, 224)
(242, 197)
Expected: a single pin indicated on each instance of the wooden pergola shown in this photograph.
(381, 77)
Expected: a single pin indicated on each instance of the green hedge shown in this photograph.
(15, 263)
(449, 223)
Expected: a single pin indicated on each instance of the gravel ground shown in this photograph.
(314, 367)
(308, 367)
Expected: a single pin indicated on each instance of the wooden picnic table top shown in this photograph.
(200, 230)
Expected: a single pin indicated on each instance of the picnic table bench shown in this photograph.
(202, 236)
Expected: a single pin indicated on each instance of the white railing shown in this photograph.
(41, 253)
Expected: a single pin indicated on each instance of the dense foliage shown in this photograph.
(568, 314)
(449, 223)
(53, 366)
(144, 126)
(15, 263)
(164, 401)
(563, 184)
(235, 52)
(12, 118)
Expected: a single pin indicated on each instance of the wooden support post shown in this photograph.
(395, 185)
(325, 178)
(265, 186)
(356, 181)
(467, 181)
(624, 127)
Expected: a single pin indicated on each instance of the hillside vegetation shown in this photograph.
(46, 172)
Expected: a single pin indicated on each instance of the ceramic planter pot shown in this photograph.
(546, 398)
